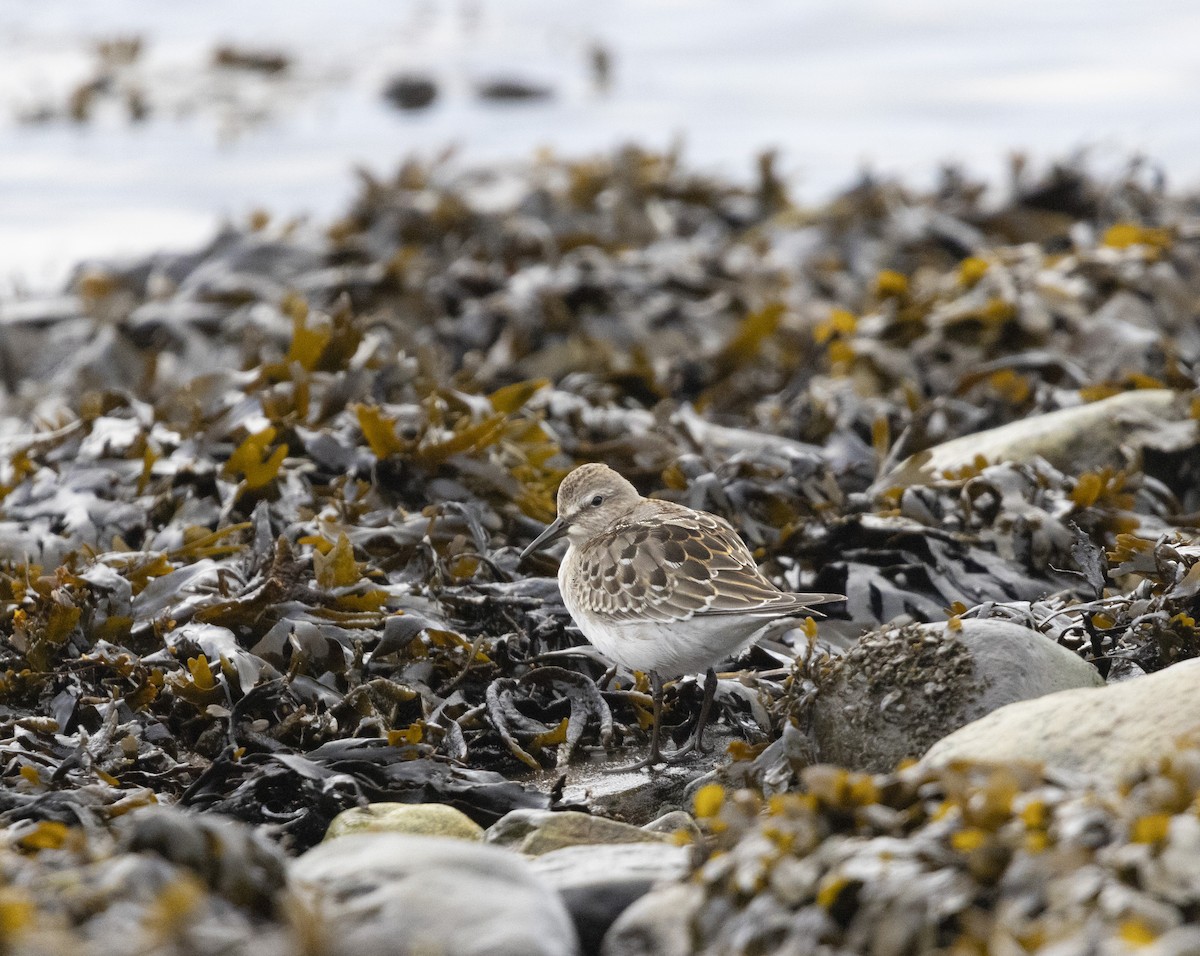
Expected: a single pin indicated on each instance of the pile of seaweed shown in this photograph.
(261, 504)
(972, 859)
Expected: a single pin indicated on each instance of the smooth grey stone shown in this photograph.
(659, 924)
(389, 894)
(539, 831)
(597, 883)
(900, 690)
(1086, 437)
(675, 822)
(417, 819)
(1103, 732)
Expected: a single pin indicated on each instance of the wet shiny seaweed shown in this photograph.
(261, 503)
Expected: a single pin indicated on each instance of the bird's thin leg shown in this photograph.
(607, 676)
(655, 756)
(696, 741)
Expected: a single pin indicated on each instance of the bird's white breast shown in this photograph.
(671, 648)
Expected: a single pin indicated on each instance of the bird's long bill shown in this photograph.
(555, 530)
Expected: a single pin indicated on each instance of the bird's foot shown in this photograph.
(652, 759)
(656, 756)
(695, 744)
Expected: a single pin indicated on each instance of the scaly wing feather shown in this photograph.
(682, 564)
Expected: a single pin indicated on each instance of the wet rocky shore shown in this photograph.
(273, 678)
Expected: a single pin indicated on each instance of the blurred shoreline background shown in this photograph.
(128, 126)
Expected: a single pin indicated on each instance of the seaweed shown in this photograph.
(261, 505)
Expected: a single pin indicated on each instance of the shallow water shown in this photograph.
(836, 85)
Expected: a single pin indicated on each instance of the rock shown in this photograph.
(256, 61)
(599, 866)
(383, 893)
(410, 92)
(659, 924)
(898, 691)
(539, 831)
(418, 819)
(512, 89)
(1079, 439)
(676, 823)
(597, 883)
(1105, 732)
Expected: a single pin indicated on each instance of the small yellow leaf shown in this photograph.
(512, 397)
(17, 912)
(414, 733)
(149, 457)
(1122, 235)
(1087, 490)
(202, 675)
(881, 435)
(308, 344)
(968, 839)
(830, 889)
(740, 750)
(465, 438)
(464, 567)
(1010, 385)
(1151, 828)
(841, 353)
(553, 737)
(997, 311)
(708, 801)
(971, 270)
(47, 835)
(337, 568)
(891, 284)
(251, 460)
(840, 322)
(373, 599)
(1096, 393)
(379, 431)
(1035, 815)
(60, 622)
(751, 332)
(1136, 933)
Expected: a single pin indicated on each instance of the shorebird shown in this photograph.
(660, 588)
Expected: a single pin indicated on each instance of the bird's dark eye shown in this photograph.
(597, 501)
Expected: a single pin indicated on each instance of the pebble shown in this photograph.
(535, 832)
(417, 819)
(375, 894)
(902, 689)
(1107, 732)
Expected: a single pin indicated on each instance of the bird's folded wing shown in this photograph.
(694, 564)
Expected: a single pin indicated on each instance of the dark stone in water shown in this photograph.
(410, 92)
(513, 89)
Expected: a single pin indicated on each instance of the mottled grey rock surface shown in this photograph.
(900, 690)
